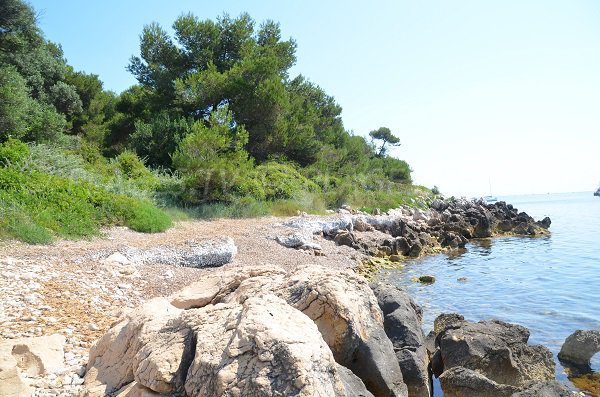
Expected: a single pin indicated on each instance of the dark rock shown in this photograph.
(447, 321)
(352, 384)
(439, 205)
(415, 250)
(580, 347)
(415, 371)
(426, 279)
(495, 349)
(345, 238)
(545, 223)
(402, 325)
(401, 246)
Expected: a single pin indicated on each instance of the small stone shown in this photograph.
(462, 279)
(80, 372)
(92, 327)
(124, 286)
(426, 279)
(77, 381)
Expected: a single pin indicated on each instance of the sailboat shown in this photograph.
(491, 198)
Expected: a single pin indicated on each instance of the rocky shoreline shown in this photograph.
(310, 328)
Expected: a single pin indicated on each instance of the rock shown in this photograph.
(119, 265)
(345, 238)
(260, 347)
(353, 386)
(415, 250)
(36, 355)
(134, 389)
(494, 349)
(202, 293)
(207, 253)
(545, 223)
(463, 382)
(211, 253)
(322, 225)
(111, 358)
(446, 321)
(302, 240)
(426, 279)
(360, 225)
(550, 388)
(403, 326)
(11, 384)
(344, 310)
(579, 347)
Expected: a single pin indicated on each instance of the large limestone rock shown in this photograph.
(11, 383)
(260, 347)
(346, 313)
(208, 320)
(112, 360)
(580, 347)
(490, 357)
(36, 355)
(403, 326)
(239, 339)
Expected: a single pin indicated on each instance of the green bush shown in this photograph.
(212, 159)
(13, 152)
(70, 209)
(282, 181)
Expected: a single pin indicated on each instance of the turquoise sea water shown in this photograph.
(550, 285)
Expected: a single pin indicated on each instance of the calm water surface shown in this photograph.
(550, 285)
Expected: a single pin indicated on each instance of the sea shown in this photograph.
(551, 285)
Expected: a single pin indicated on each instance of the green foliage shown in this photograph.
(13, 152)
(212, 159)
(385, 135)
(282, 181)
(157, 139)
(69, 208)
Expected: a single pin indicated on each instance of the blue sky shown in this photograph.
(477, 91)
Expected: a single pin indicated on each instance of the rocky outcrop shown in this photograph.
(403, 325)
(254, 332)
(412, 232)
(488, 358)
(262, 347)
(580, 347)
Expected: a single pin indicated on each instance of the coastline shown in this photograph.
(80, 265)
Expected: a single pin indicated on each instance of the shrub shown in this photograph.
(69, 208)
(13, 152)
(282, 181)
(212, 159)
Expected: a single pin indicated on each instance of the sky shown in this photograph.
(485, 96)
